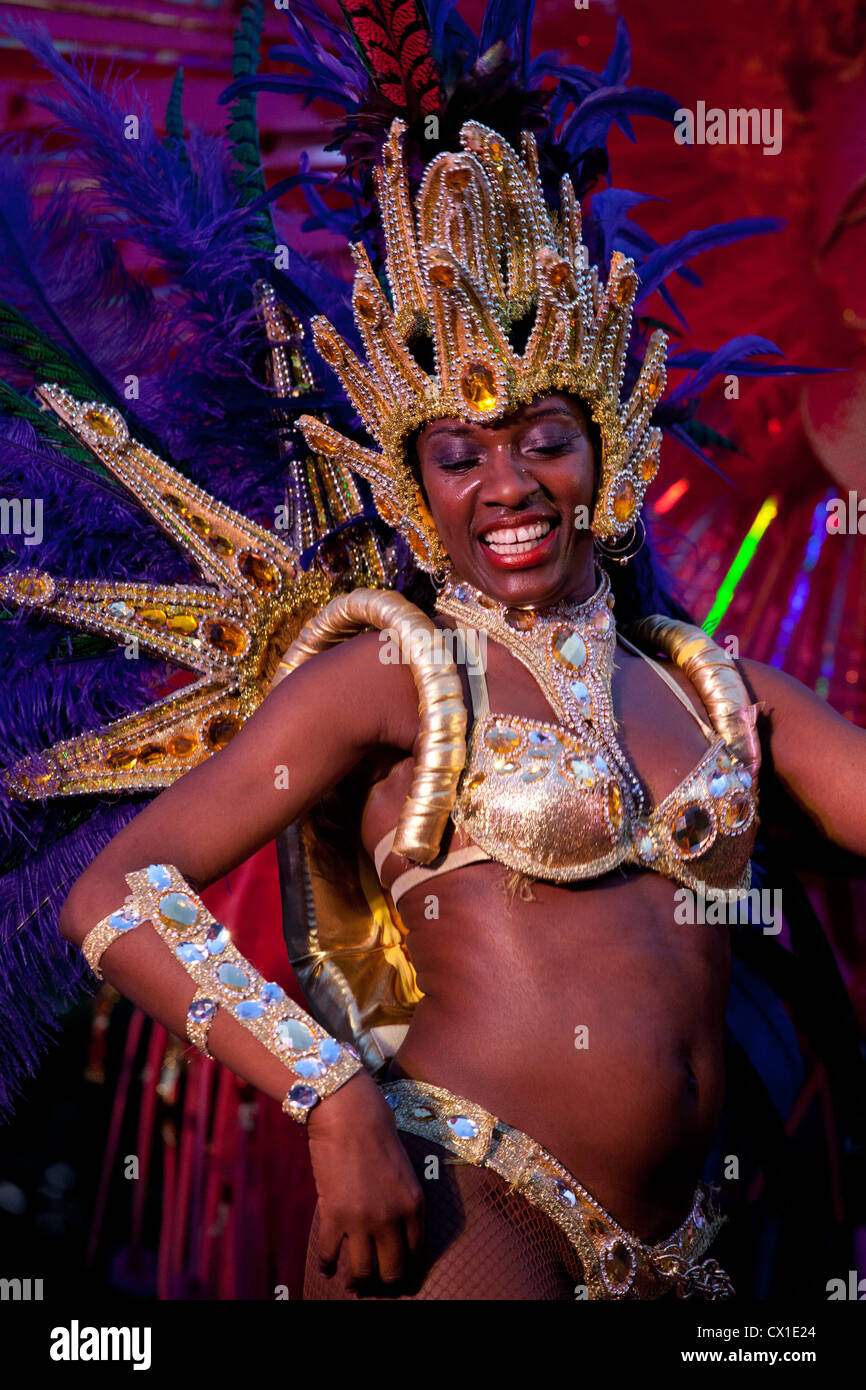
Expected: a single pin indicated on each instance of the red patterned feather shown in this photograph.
(395, 40)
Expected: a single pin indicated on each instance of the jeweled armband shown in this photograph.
(225, 979)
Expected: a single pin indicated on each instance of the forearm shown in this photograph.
(143, 964)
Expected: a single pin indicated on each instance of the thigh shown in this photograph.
(482, 1241)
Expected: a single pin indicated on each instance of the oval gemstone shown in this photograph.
(154, 617)
(649, 466)
(504, 765)
(582, 696)
(647, 848)
(232, 976)
(123, 759)
(619, 1263)
(501, 739)
(462, 1126)
(309, 1066)
(597, 1228)
(602, 621)
(521, 619)
(191, 952)
(304, 1096)
(565, 1194)
(737, 811)
(177, 504)
(330, 1052)
(201, 1010)
(294, 1034)
(120, 609)
(222, 729)
(199, 523)
(718, 783)
(216, 938)
(601, 765)
(581, 771)
(723, 762)
(478, 385)
(271, 993)
(178, 907)
(181, 746)
(624, 500)
(182, 622)
(158, 876)
(569, 648)
(151, 753)
(421, 1112)
(463, 593)
(691, 829)
(263, 575)
(543, 739)
(536, 769)
(250, 1008)
(221, 544)
(744, 778)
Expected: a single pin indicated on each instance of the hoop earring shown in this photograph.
(439, 577)
(622, 557)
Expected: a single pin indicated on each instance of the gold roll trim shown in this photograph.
(442, 737)
(715, 677)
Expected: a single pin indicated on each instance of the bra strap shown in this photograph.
(684, 700)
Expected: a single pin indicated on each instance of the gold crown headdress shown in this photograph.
(481, 251)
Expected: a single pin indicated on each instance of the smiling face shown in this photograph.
(504, 498)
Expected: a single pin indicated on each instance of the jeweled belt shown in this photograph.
(615, 1263)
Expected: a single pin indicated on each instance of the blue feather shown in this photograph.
(670, 257)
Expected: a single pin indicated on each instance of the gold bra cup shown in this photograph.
(542, 799)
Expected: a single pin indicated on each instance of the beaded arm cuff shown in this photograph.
(224, 978)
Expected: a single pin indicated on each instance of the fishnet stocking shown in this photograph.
(482, 1241)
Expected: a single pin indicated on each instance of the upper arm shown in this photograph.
(818, 757)
(308, 734)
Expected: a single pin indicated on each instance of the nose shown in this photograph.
(506, 481)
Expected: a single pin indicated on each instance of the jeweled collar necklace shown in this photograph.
(568, 647)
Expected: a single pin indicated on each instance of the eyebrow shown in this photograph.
(547, 413)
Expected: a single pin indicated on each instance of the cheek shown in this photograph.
(450, 499)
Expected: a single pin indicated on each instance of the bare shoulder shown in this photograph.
(778, 693)
(357, 681)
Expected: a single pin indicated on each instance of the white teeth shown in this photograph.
(514, 541)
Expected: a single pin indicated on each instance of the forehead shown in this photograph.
(544, 407)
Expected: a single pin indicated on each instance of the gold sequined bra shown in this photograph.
(559, 801)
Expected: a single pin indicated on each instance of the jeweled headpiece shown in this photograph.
(482, 252)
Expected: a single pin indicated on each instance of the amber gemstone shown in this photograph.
(263, 575)
(35, 586)
(200, 524)
(176, 503)
(475, 781)
(122, 758)
(569, 648)
(181, 746)
(619, 1263)
(221, 544)
(614, 806)
(457, 178)
(624, 288)
(227, 638)
(100, 424)
(183, 622)
(478, 385)
(494, 149)
(389, 159)
(649, 467)
(654, 384)
(366, 309)
(560, 274)
(691, 829)
(501, 739)
(151, 753)
(222, 729)
(154, 617)
(737, 812)
(624, 500)
(521, 619)
(597, 1228)
(444, 275)
(330, 352)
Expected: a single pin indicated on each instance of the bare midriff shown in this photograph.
(588, 1017)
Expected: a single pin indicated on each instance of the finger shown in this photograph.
(362, 1258)
(415, 1226)
(391, 1253)
(328, 1251)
